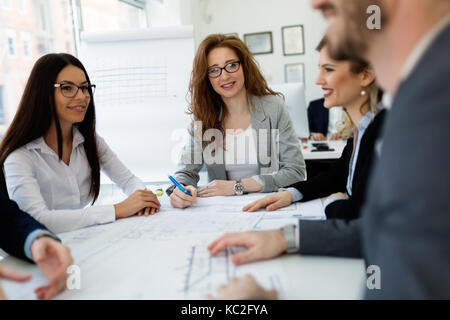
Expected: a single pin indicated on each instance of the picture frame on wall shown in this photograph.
(294, 72)
(293, 40)
(259, 43)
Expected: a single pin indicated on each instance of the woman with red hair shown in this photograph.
(241, 129)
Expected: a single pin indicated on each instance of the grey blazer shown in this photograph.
(406, 220)
(282, 163)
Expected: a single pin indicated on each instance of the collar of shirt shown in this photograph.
(422, 46)
(40, 143)
(365, 122)
(361, 128)
(386, 101)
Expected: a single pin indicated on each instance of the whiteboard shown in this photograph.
(142, 79)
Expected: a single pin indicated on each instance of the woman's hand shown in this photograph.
(244, 288)
(335, 136)
(217, 188)
(338, 194)
(141, 201)
(272, 202)
(178, 199)
(318, 137)
(9, 274)
(53, 258)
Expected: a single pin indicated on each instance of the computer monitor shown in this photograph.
(294, 95)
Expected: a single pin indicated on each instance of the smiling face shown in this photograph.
(340, 86)
(71, 110)
(227, 85)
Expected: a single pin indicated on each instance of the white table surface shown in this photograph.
(337, 145)
(109, 276)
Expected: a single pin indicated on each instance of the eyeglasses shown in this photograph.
(70, 90)
(231, 67)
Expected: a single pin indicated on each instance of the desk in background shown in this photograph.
(319, 161)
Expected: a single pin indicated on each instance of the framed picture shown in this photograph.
(293, 40)
(294, 72)
(259, 43)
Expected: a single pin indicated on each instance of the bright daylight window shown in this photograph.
(32, 28)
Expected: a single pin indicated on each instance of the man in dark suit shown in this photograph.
(25, 238)
(318, 121)
(318, 117)
(405, 224)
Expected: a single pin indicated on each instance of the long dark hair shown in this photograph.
(36, 111)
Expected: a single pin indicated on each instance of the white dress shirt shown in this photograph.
(240, 155)
(57, 194)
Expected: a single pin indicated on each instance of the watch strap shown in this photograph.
(289, 234)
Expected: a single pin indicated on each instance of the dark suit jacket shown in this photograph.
(406, 221)
(335, 179)
(318, 117)
(15, 226)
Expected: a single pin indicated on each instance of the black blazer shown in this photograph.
(318, 117)
(335, 179)
(15, 226)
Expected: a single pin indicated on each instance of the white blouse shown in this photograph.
(240, 155)
(57, 194)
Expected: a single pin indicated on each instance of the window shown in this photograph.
(11, 43)
(6, 4)
(26, 44)
(44, 46)
(2, 110)
(22, 6)
(45, 26)
(107, 15)
(43, 15)
(136, 3)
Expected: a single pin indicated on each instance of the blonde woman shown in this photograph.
(350, 84)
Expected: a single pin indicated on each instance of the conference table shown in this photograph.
(153, 258)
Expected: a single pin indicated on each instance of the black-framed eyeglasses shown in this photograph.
(70, 90)
(231, 67)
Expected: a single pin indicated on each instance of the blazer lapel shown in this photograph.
(260, 121)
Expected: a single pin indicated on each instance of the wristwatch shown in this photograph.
(239, 188)
(290, 238)
(170, 189)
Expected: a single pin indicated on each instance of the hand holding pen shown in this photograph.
(182, 196)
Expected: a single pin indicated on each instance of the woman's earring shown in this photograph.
(363, 93)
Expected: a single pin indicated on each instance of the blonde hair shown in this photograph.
(347, 127)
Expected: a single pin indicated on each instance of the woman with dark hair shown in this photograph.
(52, 157)
(236, 117)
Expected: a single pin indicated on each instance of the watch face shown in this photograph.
(239, 188)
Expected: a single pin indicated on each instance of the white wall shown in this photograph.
(248, 16)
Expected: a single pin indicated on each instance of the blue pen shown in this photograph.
(175, 182)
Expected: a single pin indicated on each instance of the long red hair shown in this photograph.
(205, 104)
